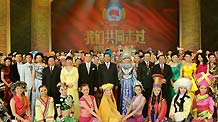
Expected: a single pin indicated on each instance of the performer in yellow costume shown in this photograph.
(108, 108)
(188, 71)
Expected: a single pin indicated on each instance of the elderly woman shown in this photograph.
(19, 103)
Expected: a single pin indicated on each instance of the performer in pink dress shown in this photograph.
(88, 106)
(203, 108)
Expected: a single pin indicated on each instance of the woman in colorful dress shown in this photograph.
(127, 75)
(176, 68)
(202, 63)
(44, 106)
(19, 103)
(108, 107)
(5, 77)
(88, 106)
(157, 106)
(65, 105)
(181, 103)
(69, 76)
(134, 113)
(37, 79)
(188, 71)
(203, 104)
(4, 116)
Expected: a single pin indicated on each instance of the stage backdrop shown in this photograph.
(101, 24)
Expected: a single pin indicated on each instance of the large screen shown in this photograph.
(102, 24)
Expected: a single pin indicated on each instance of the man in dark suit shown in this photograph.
(144, 75)
(88, 74)
(107, 72)
(51, 77)
(166, 71)
(17, 69)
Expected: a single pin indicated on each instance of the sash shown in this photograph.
(46, 105)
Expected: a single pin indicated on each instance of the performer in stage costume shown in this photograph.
(44, 106)
(65, 105)
(89, 110)
(134, 113)
(181, 103)
(19, 103)
(108, 107)
(203, 108)
(127, 75)
(4, 116)
(157, 106)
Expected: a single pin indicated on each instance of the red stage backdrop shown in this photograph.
(101, 24)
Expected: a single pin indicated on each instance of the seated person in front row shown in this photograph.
(89, 111)
(19, 103)
(44, 108)
(157, 106)
(65, 106)
(203, 104)
(108, 107)
(181, 103)
(134, 112)
(4, 116)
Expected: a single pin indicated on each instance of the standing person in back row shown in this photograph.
(88, 74)
(144, 75)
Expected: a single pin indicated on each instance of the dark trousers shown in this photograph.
(147, 94)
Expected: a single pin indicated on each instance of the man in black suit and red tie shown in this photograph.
(88, 74)
(165, 70)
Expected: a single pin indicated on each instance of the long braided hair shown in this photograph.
(182, 100)
(153, 101)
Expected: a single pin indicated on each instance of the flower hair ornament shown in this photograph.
(62, 85)
(107, 85)
(140, 84)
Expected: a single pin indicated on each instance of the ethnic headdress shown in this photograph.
(62, 85)
(204, 79)
(108, 85)
(158, 78)
(183, 82)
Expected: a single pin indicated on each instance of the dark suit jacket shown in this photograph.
(51, 81)
(108, 75)
(86, 78)
(167, 72)
(14, 74)
(144, 74)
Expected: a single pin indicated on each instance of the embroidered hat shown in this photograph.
(108, 85)
(183, 82)
(158, 78)
(204, 79)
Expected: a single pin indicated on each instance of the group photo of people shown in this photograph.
(110, 86)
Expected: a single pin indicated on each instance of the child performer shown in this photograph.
(65, 107)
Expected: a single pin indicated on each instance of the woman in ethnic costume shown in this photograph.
(89, 111)
(44, 106)
(65, 105)
(181, 103)
(19, 103)
(134, 113)
(203, 108)
(108, 107)
(127, 76)
(157, 106)
(202, 63)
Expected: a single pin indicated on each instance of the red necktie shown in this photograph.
(50, 70)
(162, 68)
